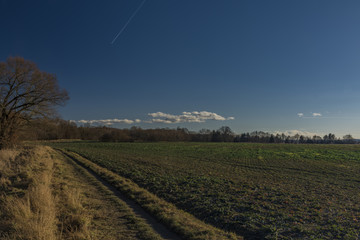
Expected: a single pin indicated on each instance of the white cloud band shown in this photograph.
(189, 117)
(160, 117)
(108, 121)
(313, 115)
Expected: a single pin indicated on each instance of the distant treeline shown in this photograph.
(43, 129)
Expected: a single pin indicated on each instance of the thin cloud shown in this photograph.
(106, 121)
(187, 117)
(313, 115)
(128, 21)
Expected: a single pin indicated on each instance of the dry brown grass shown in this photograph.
(28, 202)
(34, 215)
(6, 157)
(73, 217)
(33, 204)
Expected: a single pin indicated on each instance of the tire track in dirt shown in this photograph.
(157, 226)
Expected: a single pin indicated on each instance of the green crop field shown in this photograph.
(276, 191)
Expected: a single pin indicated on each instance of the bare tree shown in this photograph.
(348, 139)
(25, 93)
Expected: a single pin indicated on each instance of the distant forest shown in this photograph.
(46, 129)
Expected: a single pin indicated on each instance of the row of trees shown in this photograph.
(42, 129)
(297, 138)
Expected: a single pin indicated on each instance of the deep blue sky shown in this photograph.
(261, 62)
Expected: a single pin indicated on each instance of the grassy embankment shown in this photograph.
(28, 205)
(257, 190)
(46, 197)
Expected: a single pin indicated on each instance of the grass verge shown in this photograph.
(27, 204)
(34, 205)
(135, 224)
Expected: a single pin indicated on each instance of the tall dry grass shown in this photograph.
(6, 158)
(73, 217)
(27, 201)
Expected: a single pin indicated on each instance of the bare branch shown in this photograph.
(25, 93)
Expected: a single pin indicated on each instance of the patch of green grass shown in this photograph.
(256, 190)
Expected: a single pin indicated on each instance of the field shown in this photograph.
(275, 191)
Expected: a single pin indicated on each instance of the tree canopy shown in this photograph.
(25, 93)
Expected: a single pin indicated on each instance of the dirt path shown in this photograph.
(113, 214)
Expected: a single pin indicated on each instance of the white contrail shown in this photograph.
(128, 21)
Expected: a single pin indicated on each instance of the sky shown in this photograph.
(275, 66)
